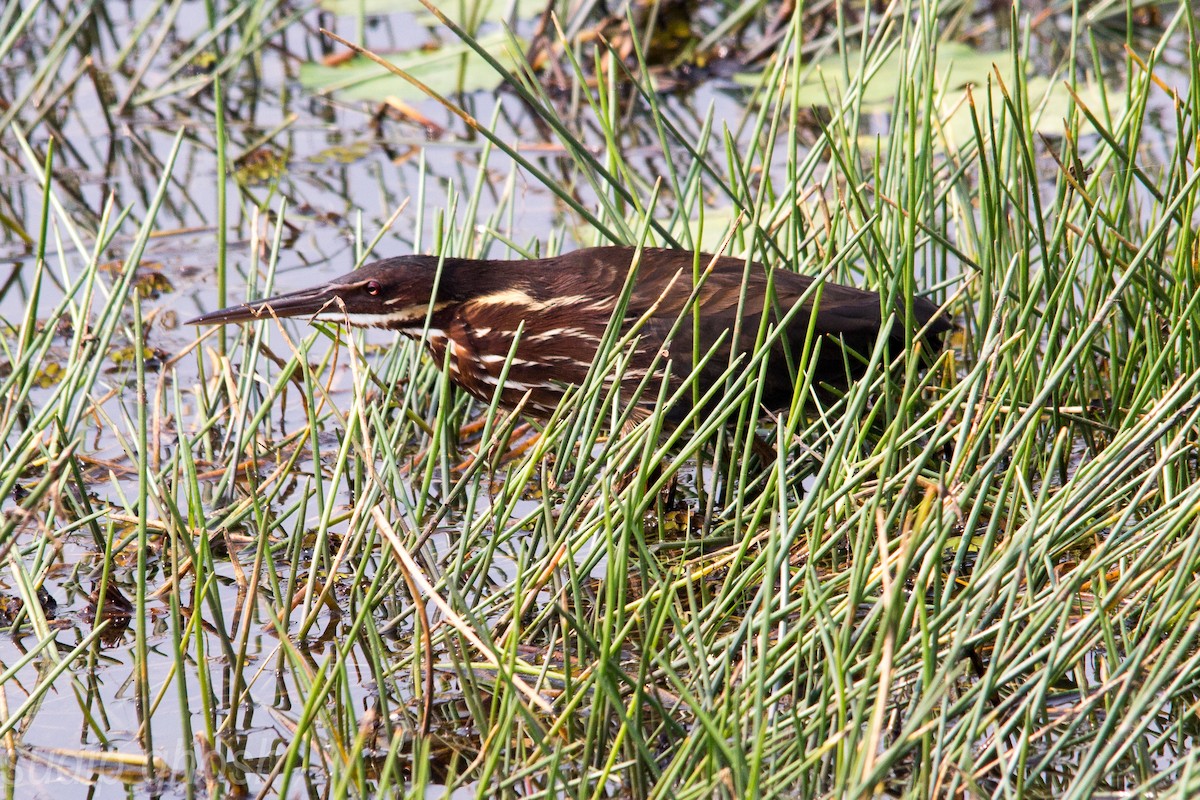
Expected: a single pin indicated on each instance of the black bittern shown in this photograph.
(469, 312)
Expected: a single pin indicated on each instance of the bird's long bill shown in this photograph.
(304, 303)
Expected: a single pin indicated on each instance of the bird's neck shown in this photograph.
(458, 282)
(465, 280)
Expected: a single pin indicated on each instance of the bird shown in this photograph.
(469, 312)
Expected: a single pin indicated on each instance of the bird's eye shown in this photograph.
(372, 288)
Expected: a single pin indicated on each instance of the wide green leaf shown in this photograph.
(448, 69)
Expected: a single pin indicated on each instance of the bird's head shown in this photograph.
(394, 293)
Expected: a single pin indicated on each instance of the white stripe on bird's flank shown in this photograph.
(496, 358)
(557, 333)
(492, 380)
(519, 299)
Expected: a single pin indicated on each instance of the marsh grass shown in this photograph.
(974, 576)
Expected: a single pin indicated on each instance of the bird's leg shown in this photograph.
(656, 469)
(766, 454)
(471, 428)
(527, 437)
(523, 434)
(522, 437)
(764, 450)
(758, 472)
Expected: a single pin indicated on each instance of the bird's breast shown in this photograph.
(481, 366)
(532, 363)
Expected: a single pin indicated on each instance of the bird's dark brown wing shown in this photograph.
(730, 308)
